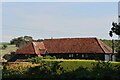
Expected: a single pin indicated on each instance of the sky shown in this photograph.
(57, 19)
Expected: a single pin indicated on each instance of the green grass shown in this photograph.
(108, 42)
(73, 64)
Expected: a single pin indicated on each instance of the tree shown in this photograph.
(39, 40)
(28, 38)
(116, 30)
(21, 40)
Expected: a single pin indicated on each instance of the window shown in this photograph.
(71, 55)
(26, 55)
(83, 55)
(76, 54)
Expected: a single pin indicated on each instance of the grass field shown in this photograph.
(69, 69)
(10, 48)
(73, 64)
(68, 65)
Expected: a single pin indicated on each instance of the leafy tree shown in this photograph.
(28, 38)
(20, 40)
(116, 30)
(39, 40)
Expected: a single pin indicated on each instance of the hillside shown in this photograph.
(10, 48)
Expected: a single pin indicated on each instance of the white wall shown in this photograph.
(113, 58)
(108, 57)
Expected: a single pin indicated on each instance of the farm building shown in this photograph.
(68, 48)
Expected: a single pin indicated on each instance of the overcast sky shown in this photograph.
(58, 19)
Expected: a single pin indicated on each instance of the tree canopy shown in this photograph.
(21, 40)
(115, 29)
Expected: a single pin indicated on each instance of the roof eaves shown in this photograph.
(100, 44)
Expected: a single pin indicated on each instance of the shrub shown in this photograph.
(7, 56)
(46, 70)
(4, 46)
(105, 71)
(12, 73)
(34, 59)
(54, 70)
(39, 59)
(49, 57)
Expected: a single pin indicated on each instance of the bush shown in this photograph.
(39, 59)
(79, 74)
(45, 70)
(54, 70)
(34, 59)
(13, 73)
(100, 71)
(7, 56)
(4, 46)
(105, 71)
(49, 57)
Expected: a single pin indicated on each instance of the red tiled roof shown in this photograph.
(76, 45)
(32, 48)
(39, 47)
(27, 49)
(66, 45)
(104, 47)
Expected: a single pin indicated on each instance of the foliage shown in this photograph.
(80, 73)
(39, 40)
(34, 59)
(118, 55)
(47, 70)
(99, 71)
(71, 64)
(7, 56)
(115, 29)
(118, 50)
(39, 59)
(107, 42)
(49, 57)
(4, 46)
(13, 73)
(20, 40)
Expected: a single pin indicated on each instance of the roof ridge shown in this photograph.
(98, 41)
(71, 38)
(33, 46)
